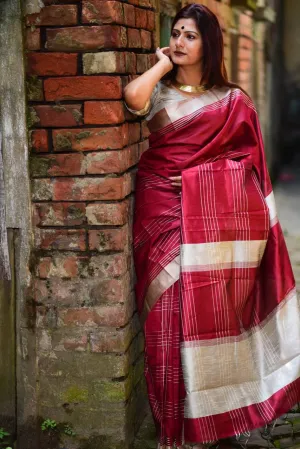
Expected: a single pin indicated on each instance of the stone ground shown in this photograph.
(286, 432)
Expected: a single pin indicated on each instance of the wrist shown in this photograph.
(166, 65)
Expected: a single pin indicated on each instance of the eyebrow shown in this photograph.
(185, 31)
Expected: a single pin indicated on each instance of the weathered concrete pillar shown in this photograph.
(17, 308)
(84, 146)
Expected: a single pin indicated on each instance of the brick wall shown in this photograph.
(84, 146)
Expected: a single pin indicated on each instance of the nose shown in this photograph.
(179, 42)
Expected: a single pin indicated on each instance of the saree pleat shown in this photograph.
(215, 288)
(163, 369)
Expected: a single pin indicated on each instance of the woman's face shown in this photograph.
(186, 43)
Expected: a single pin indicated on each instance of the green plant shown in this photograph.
(3, 433)
(49, 424)
(69, 431)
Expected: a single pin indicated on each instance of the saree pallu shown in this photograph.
(215, 288)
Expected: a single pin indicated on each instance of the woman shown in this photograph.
(215, 289)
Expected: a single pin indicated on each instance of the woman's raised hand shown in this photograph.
(163, 54)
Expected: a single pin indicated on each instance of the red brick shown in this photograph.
(103, 112)
(134, 132)
(82, 292)
(113, 316)
(150, 20)
(134, 2)
(143, 146)
(141, 18)
(151, 60)
(117, 340)
(43, 267)
(54, 2)
(102, 11)
(145, 129)
(61, 15)
(108, 266)
(129, 15)
(72, 340)
(33, 39)
(61, 266)
(134, 38)
(39, 140)
(89, 139)
(51, 64)
(59, 116)
(57, 165)
(146, 39)
(60, 214)
(109, 239)
(142, 63)
(130, 61)
(60, 239)
(40, 290)
(90, 189)
(147, 3)
(112, 161)
(114, 214)
(104, 62)
(83, 88)
(86, 38)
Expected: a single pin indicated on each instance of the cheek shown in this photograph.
(196, 49)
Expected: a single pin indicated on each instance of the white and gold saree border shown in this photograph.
(229, 373)
(221, 255)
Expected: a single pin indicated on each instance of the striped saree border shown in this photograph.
(248, 369)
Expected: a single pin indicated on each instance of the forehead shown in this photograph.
(189, 24)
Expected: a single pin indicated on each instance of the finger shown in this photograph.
(175, 178)
(166, 51)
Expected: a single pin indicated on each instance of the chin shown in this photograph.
(178, 60)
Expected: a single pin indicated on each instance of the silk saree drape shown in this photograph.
(215, 288)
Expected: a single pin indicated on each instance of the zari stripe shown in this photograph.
(167, 277)
(221, 255)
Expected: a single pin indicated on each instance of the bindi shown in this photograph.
(182, 27)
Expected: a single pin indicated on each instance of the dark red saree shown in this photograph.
(215, 288)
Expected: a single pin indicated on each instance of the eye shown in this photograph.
(174, 34)
(191, 36)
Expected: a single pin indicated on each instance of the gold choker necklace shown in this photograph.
(190, 89)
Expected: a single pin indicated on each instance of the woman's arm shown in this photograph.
(138, 92)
